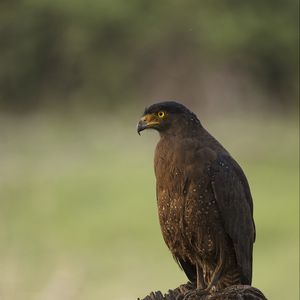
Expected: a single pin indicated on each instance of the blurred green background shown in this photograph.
(78, 216)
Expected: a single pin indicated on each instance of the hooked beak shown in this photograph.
(146, 122)
(141, 126)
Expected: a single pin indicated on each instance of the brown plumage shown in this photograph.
(204, 201)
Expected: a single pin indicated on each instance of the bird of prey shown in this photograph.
(204, 202)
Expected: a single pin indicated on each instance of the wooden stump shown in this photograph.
(234, 292)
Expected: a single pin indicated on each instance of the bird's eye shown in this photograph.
(161, 114)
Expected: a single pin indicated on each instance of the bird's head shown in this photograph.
(167, 117)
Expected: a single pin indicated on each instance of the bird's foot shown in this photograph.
(196, 294)
(184, 288)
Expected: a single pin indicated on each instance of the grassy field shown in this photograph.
(78, 215)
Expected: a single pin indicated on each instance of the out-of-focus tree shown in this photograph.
(100, 53)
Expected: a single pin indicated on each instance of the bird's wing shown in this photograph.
(233, 197)
(188, 268)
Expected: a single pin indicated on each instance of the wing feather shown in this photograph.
(233, 197)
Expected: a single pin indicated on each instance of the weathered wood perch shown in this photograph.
(235, 292)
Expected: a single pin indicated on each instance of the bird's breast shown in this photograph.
(186, 204)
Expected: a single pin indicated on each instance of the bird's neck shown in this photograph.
(190, 128)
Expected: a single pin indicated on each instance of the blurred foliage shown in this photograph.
(99, 54)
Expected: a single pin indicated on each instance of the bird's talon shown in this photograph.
(201, 292)
(193, 293)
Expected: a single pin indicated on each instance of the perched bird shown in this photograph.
(204, 202)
